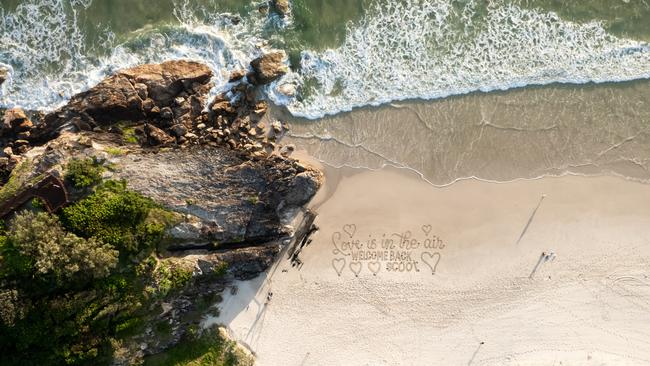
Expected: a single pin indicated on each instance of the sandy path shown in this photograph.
(590, 305)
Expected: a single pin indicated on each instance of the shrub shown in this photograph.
(84, 173)
(172, 276)
(209, 347)
(38, 204)
(115, 216)
(39, 244)
(11, 307)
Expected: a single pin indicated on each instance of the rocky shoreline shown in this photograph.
(218, 165)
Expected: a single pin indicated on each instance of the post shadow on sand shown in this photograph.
(475, 353)
(530, 220)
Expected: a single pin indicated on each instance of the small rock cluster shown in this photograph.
(15, 132)
(234, 118)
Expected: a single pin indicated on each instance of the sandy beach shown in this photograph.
(324, 182)
(532, 272)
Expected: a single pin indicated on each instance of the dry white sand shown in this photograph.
(588, 306)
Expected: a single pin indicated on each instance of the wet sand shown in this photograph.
(500, 136)
(534, 272)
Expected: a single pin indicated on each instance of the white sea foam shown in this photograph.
(399, 50)
(43, 41)
(428, 49)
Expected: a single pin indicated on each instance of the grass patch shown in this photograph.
(207, 349)
(128, 132)
(115, 151)
(158, 215)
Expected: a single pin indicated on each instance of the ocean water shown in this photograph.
(527, 133)
(424, 78)
(343, 53)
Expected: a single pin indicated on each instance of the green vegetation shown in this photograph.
(172, 276)
(115, 216)
(128, 133)
(83, 173)
(38, 204)
(49, 292)
(19, 178)
(129, 136)
(254, 199)
(209, 348)
(74, 286)
(40, 249)
(115, 151)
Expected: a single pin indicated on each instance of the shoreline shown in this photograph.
(304, 157)
(523, 133)
(304, 182)
(478, 91)
(590, 224)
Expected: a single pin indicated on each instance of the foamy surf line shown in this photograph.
(399, 51)
(47, 67)
(416, 50)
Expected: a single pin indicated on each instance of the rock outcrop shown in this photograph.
(281, 6)
(235, 200)
(268, 68)
(164, 106)
(15, 131)
(169, 93)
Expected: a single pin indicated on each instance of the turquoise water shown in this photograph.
(343, 53)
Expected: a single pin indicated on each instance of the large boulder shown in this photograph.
(268, 68)
(157, 137)
(281, 6)
(132, 95)
(166, 81)
(15, 121)
(301, 190)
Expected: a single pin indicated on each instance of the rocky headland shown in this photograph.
(234, 196)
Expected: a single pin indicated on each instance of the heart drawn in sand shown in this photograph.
(426, 229)
(355, 267)
(338, 264)
(350, 229)
(374, 267)
(431, 260)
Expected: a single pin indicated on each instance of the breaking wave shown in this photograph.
(399, 50)
(44, 48)
(435, 48)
